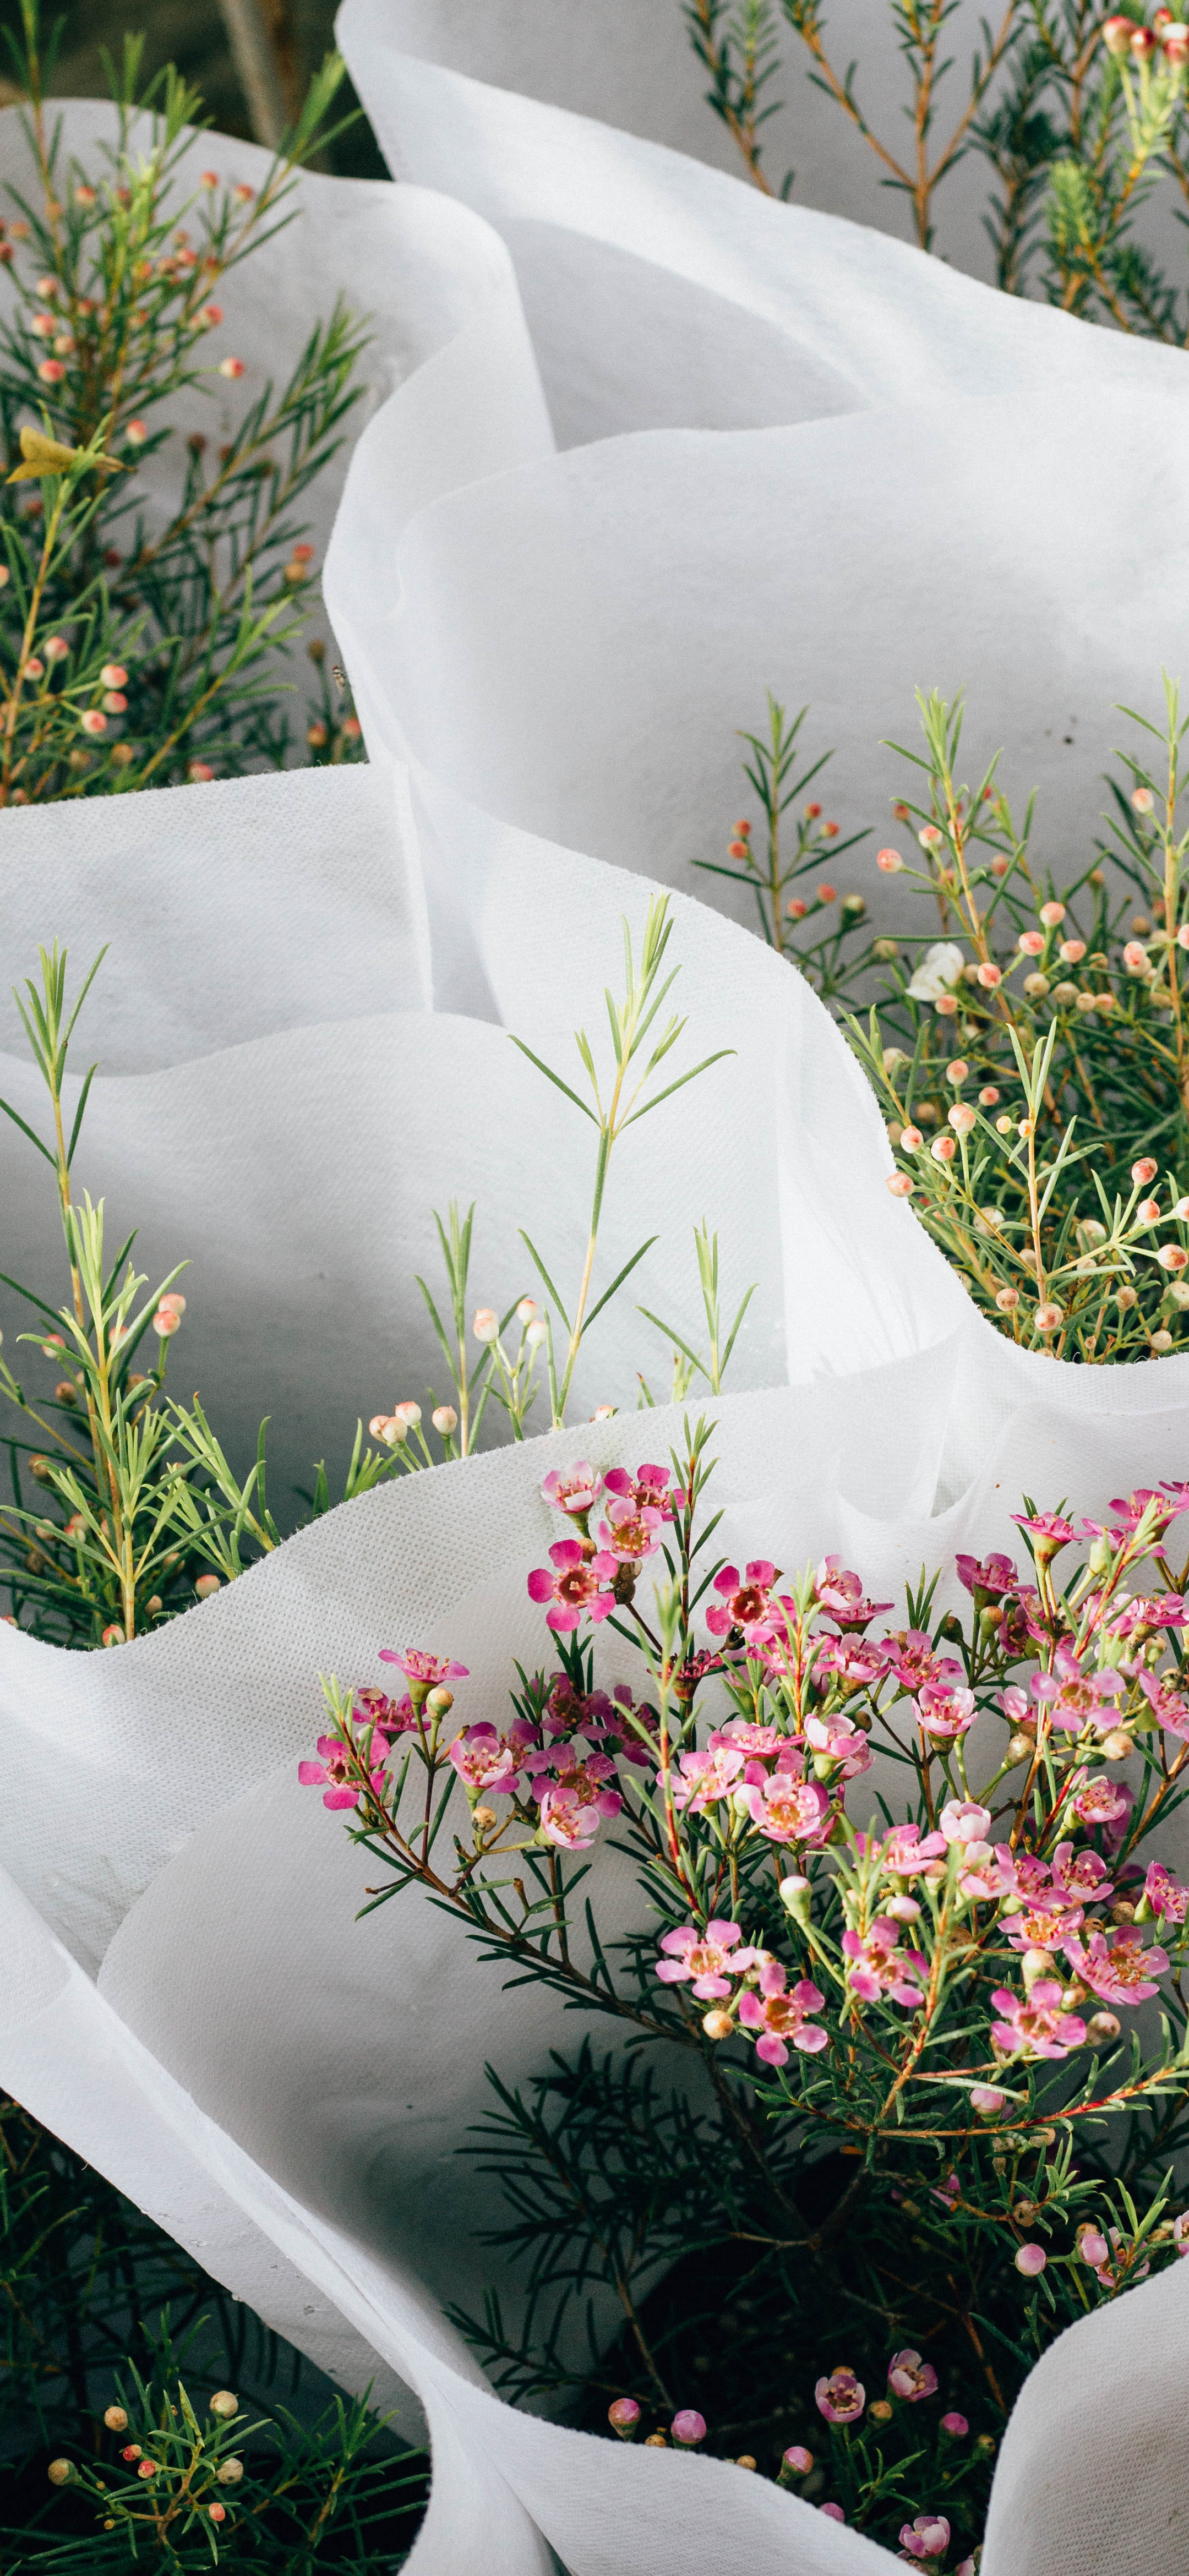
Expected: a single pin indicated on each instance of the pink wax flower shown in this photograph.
(993, 1577)
(630, 1532)
(879, 1970)
(840, 1593)
(781, 2017)
(927, 2536)
(576, 1587)
(1105, 1802)
(573, 1490)
(909, 1854)
(648, 1487)
(706, 1777)
(913, 1660)
(742, 1735)
(570, 1816)
(1165, 1894)
(1044, 1927)
(1050, 1531)
(1169, 1707)
(837, 1743)
(945, 1712)
(332, 1773)
(743, 1605)
(710, 1958)
(855, 1663)
(1111, 2273)
(911, 2378)
(1034, 2025)
(624, 2415)
(963, 1821)
(1148, 1497)
(840, 2398)
(484, 1760)
(1117, 1967)
(1080, 1876)
(789, 1810)
(688, 2428)
(1073, 1696)
(371, 1707)
(426, 1672)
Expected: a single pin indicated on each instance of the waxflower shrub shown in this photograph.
(1030, 1047)
(126, 1507)
(923, 2131)
(1080, 119)
(121, 2431)
(140, 648)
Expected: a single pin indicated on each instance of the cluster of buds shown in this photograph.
(1125, 40)
(169, 2480)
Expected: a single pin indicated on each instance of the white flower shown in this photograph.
(940, 967)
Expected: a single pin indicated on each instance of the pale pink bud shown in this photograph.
(827, 894)
(1073, 951)
(899, 1185)
(51, 371)
(929, 837)
(947, 1009)
(166, 1321)
(890, 861)
(1048, 1317)
(242, 193)
(174, 1299)
(833, 2512)
(717, 2024)
(962, 1118)
(1145, 1170)
(527, 1309)
(1171, 1257)
(623, 2415)
(688, 2428)
(603, 1413)
(537, 1332)
(1135, 958)
(1148, 1212)
(1117, 35)
(93, 721)
(912, 1139)
(231, 366)
(1181, 1210)
(1007, 1300)
(1142, 797)
(55, 648)
(486, 1324)
(798, 2460)
(113, 675)
(795, 908)
(408, 1412)
(1031, 942)
(955, 2425)
(212, 315)
(987, 2100)
(1103, 2027)
(903, 1909)
(1183, 935)
(199, 772)
(114, 1636)
(209, 178)
(989, 976)
(1031, 2260)
(444, 1419)
(988, 1096)
(1051, 914)
(1161, 1341)
(206, 1584)
(1092, 2245)
(115, 702)
(943, 1149)
(33, 669)
(958, 1071)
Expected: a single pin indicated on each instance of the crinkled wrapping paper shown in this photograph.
(303, 1026)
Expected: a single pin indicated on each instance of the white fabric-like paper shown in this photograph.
(303, 1030)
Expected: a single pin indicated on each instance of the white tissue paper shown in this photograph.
(303, 1030)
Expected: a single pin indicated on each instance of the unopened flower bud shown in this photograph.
(65, 1391)
(1092, 2244)
(229, 2472)
(444, 1419)
(987, 2100)
(797, 1894)
(166, 1321)
(655, 2442)
(484, 1818)
(217, 2512)
(1161, 1341)
(688, 2428)
(1007, 1300)
(1037, 1964)
(115, 2419)
(623, 2415)
(225, 2403)
(206, 1584)
(439, 1700)
(880, 2412)
(1116, 1746)
(1048, 1317)
(943, 1149)
(797, 2463)
(113, 1636)
(538, 1332)
(1031, 2260)
(486, 1324)
(1102, 2028)
(408, 1413)
(891, 863)
(1126, 1297)
(39, 1469)
(1141, 797)
(717, 2024)
(1020, 1747)
(1148, 1212)
(60, 2472)
(527, 1309)
(899, 1185)
(912, 1140)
